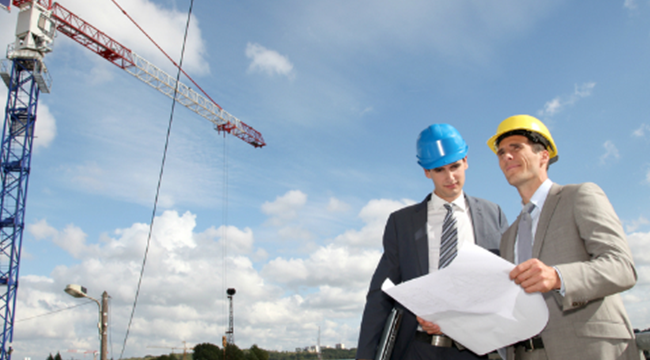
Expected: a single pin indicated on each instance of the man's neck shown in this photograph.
(527, 190)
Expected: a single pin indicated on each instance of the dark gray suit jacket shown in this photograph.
(406, 257)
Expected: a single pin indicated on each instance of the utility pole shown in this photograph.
(103, 327)
(79, 291)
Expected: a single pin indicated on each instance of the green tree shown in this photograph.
(207, 351)
(166, 357)
(58, 356)
(259, 353)
(234, 353)
(50, 357)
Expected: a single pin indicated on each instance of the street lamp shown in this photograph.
(79, 291)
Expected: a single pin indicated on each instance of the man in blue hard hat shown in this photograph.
(417, 240)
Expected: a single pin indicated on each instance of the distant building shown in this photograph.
(339, 347)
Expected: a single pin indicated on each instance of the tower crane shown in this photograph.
(26, 75)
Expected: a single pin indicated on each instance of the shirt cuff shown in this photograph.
(562, 290)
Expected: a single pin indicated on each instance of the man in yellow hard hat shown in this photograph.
(569, 245)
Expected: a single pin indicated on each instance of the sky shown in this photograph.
(340, 91)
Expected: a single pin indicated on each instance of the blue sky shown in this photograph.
(340, 91)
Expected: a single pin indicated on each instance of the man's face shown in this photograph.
(448, 180)
(519, 163)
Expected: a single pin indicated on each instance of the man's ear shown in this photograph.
(545, 158)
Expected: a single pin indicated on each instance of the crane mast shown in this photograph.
(26, 76)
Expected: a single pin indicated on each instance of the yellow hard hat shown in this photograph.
(524, 122)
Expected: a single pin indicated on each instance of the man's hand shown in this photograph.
(535, 276)
(429, 327)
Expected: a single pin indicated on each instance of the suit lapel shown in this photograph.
(548, 209)
(420, 235)
(508, 238)
(476, 214)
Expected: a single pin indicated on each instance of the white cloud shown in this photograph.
(552, 106)
(556, 105)
(633, 225)
(374, 215)
(630, 4)
(72, 239)
(634, 298)
(611, 152)
(165, 26)
(41, 230)
(45, 127)
(331, 265)
(183, 290)
(583, 90)
(336, 205)
(641, 131)
(268, 61)
(369, 109)
(285, 207)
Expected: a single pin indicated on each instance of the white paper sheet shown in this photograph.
(474, 301)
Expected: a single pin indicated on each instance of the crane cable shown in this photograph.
(162, 166)
(224, 235)
(164, 53)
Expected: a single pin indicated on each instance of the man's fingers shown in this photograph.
(535, 276)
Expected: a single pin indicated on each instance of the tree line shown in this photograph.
(207, 351)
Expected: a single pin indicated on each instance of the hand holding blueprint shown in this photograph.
(474, 301)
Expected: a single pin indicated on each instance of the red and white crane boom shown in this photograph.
(87, 35)
(95, 40)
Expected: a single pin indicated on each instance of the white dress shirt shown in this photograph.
(436, 213)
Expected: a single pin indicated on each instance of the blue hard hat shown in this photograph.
(439, 145)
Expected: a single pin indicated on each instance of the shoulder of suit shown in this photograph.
(475, 201)
(581, 187)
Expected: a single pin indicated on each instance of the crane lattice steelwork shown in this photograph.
(26, 75)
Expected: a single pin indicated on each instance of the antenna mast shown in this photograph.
(231, 327)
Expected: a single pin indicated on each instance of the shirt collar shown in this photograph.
(438, 203)
(539, 197)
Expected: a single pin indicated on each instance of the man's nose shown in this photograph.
(449, 175)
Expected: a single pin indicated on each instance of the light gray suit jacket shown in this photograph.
(580, 234)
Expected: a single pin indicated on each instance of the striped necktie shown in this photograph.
(449, 239)
(525, 234)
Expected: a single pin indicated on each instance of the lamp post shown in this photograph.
(79, 291)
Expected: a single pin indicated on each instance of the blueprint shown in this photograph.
(474, 301)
